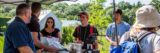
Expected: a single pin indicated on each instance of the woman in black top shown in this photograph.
(50, 30)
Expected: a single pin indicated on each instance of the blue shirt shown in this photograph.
(121, 29)
(17, 35)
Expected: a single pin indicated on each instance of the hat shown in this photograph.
(146, 17)
(83, 13)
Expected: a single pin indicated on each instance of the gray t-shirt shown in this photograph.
(149, 43)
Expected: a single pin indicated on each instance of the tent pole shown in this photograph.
(114, 16)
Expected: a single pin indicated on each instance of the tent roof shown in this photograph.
(42, 15)
(16, 2)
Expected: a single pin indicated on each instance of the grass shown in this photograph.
(1, 44)
(103, 45)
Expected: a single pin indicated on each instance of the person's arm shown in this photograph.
(75, 35)
(125, 37)
(96, 44)
(40, 45)
(20, 40)
(96, 41)
(108, 39)
(41, 35)
(25, 49)
(156, 44)
(157, 51)
(108, 35)
(39, 50)
(59, 36)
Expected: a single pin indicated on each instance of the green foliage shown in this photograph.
(156, 3)
(67, 36)
(8, 11)
(124, 5)
(1, 44)
(98, 17)
(128, 11)
(103, 45)
(71, 17)
(3, 24)
(129, 15)
(63, 10)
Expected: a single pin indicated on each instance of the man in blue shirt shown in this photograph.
(122, 27)
(18, 38)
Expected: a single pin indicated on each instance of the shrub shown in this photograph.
(67, 36)
(1, 44)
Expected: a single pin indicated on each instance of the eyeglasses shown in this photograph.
(49, 22)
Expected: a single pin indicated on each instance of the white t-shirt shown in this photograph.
(147, 43)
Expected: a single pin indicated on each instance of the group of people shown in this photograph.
(147, 21)
(23, 34)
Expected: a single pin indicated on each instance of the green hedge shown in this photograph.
(3, 24)
(1, 44)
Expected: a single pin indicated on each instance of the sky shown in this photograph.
(107, 3)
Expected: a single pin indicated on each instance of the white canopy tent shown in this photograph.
(42, 19)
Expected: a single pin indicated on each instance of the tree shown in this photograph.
(98, 16)
(129, 15)
(124, 5)
(128, 11)
(84, 7)
(156, 3)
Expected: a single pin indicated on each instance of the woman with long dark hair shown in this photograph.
(50, 30)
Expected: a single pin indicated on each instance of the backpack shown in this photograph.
(91, 33)
(130, 46)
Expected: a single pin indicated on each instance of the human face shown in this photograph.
(118, 17)
(28, 15)
(50, 23)
(83, 19)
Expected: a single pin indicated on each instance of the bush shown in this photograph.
(67, 36)
(3, 24)
(1, 44)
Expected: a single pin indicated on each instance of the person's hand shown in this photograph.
(49, 36)
(39, 51)
(52, 49)
(81, 42)
(112, 43)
